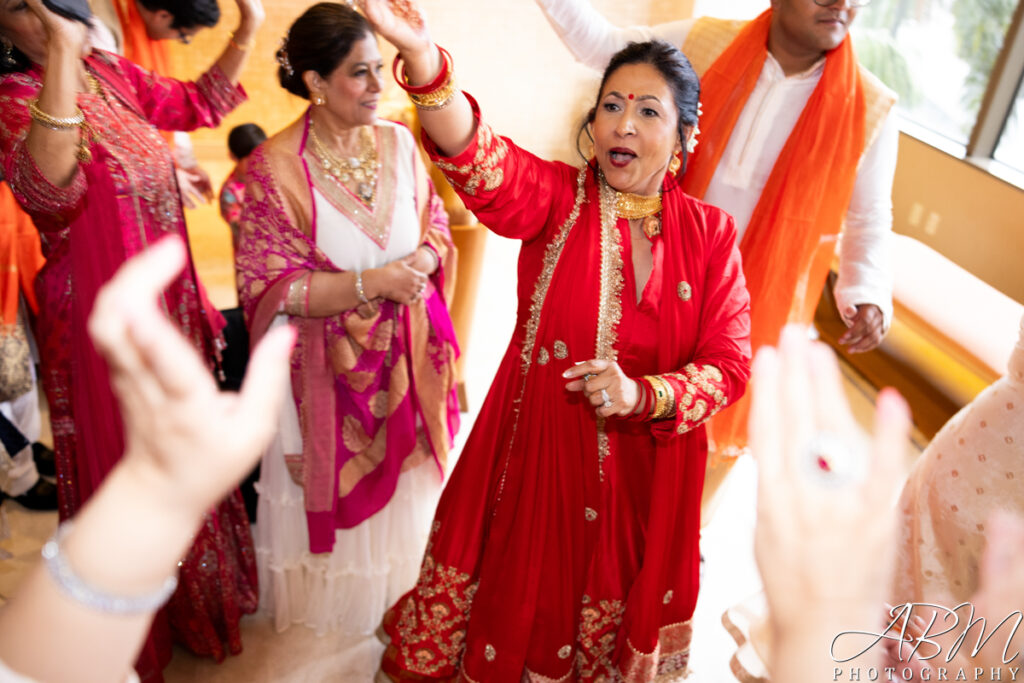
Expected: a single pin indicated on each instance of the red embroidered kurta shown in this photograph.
(122, 200)
(566, 547)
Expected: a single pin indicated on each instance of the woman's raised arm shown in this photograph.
(444, 111)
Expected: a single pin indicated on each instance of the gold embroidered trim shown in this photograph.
(551, 256)
(374, 221)
(609, 309)
(484, 169)
(697, 379)
(589, 514)
(668, 661)
(542, 356)
(540, 291)
(490, 653)
(561, 350)
(432, 622)
(604, 447)
(564, 652)
(599, 625)
(534, 677)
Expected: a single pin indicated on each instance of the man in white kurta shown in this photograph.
(865, 274)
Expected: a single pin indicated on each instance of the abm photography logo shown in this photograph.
(926, 642)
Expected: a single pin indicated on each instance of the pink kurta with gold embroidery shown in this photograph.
(117, 204)
(565, 547)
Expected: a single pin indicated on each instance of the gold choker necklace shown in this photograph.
(359, 171)
(632, 206)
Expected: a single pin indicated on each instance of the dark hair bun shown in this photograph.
(319, 41)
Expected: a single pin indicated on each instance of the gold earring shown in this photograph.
(674, 163)
(318, 99)
(7, 54)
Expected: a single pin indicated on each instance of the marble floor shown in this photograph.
(298, 654)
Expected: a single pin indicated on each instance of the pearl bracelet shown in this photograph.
(79, 590)
(359, 288)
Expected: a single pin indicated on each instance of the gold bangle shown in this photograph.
(55, 122)
(664, 398)
(241, 48)
(435, 99)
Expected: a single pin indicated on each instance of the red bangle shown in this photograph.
(643, 402)
(439, 80)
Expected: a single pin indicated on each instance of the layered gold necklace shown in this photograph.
(634, 206)
(357, 172)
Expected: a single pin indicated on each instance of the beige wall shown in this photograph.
(967, 215)
(505, 54)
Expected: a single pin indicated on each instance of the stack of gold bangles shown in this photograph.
(657, 399)
(435, 95)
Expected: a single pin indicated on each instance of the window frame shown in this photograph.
(997, 105)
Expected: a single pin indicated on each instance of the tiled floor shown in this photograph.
(729, 575)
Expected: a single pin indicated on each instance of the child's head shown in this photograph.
(243, 139)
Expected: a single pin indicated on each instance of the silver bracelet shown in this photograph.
(359, 288)
(433, 256)
(80, 591)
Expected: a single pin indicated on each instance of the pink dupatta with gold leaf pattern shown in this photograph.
(375, 396)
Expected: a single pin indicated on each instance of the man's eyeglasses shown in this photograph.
(854, 4)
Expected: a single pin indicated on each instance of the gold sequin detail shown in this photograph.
(542, 356)
(561, 350)
(684, 291)
(490, 653)
(609, 311)
(590, 514)
(484, 169)
(564, 652)
(694, 412)
(603, 446)
(668, 597)
(551, 256)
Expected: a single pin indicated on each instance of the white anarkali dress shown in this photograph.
(342, 595)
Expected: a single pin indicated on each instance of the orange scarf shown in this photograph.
(20, 257)
(138, 47)
(791, 239)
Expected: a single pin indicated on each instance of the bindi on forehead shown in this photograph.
(630, 95)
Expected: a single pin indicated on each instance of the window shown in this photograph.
(1010, 150)
(957, 66)
(937, 55)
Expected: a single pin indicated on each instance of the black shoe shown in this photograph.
(42, 496)
(46, 461)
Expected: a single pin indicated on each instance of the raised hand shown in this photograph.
(400, 22)
(825, 519)
(185, 439)
(251, 12)
(61, 31)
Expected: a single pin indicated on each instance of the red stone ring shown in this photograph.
(834, 461)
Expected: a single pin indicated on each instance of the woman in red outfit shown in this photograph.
(565, 546)
(80, 146)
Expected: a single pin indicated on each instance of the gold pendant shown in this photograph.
(83, 154)
(651, 226)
